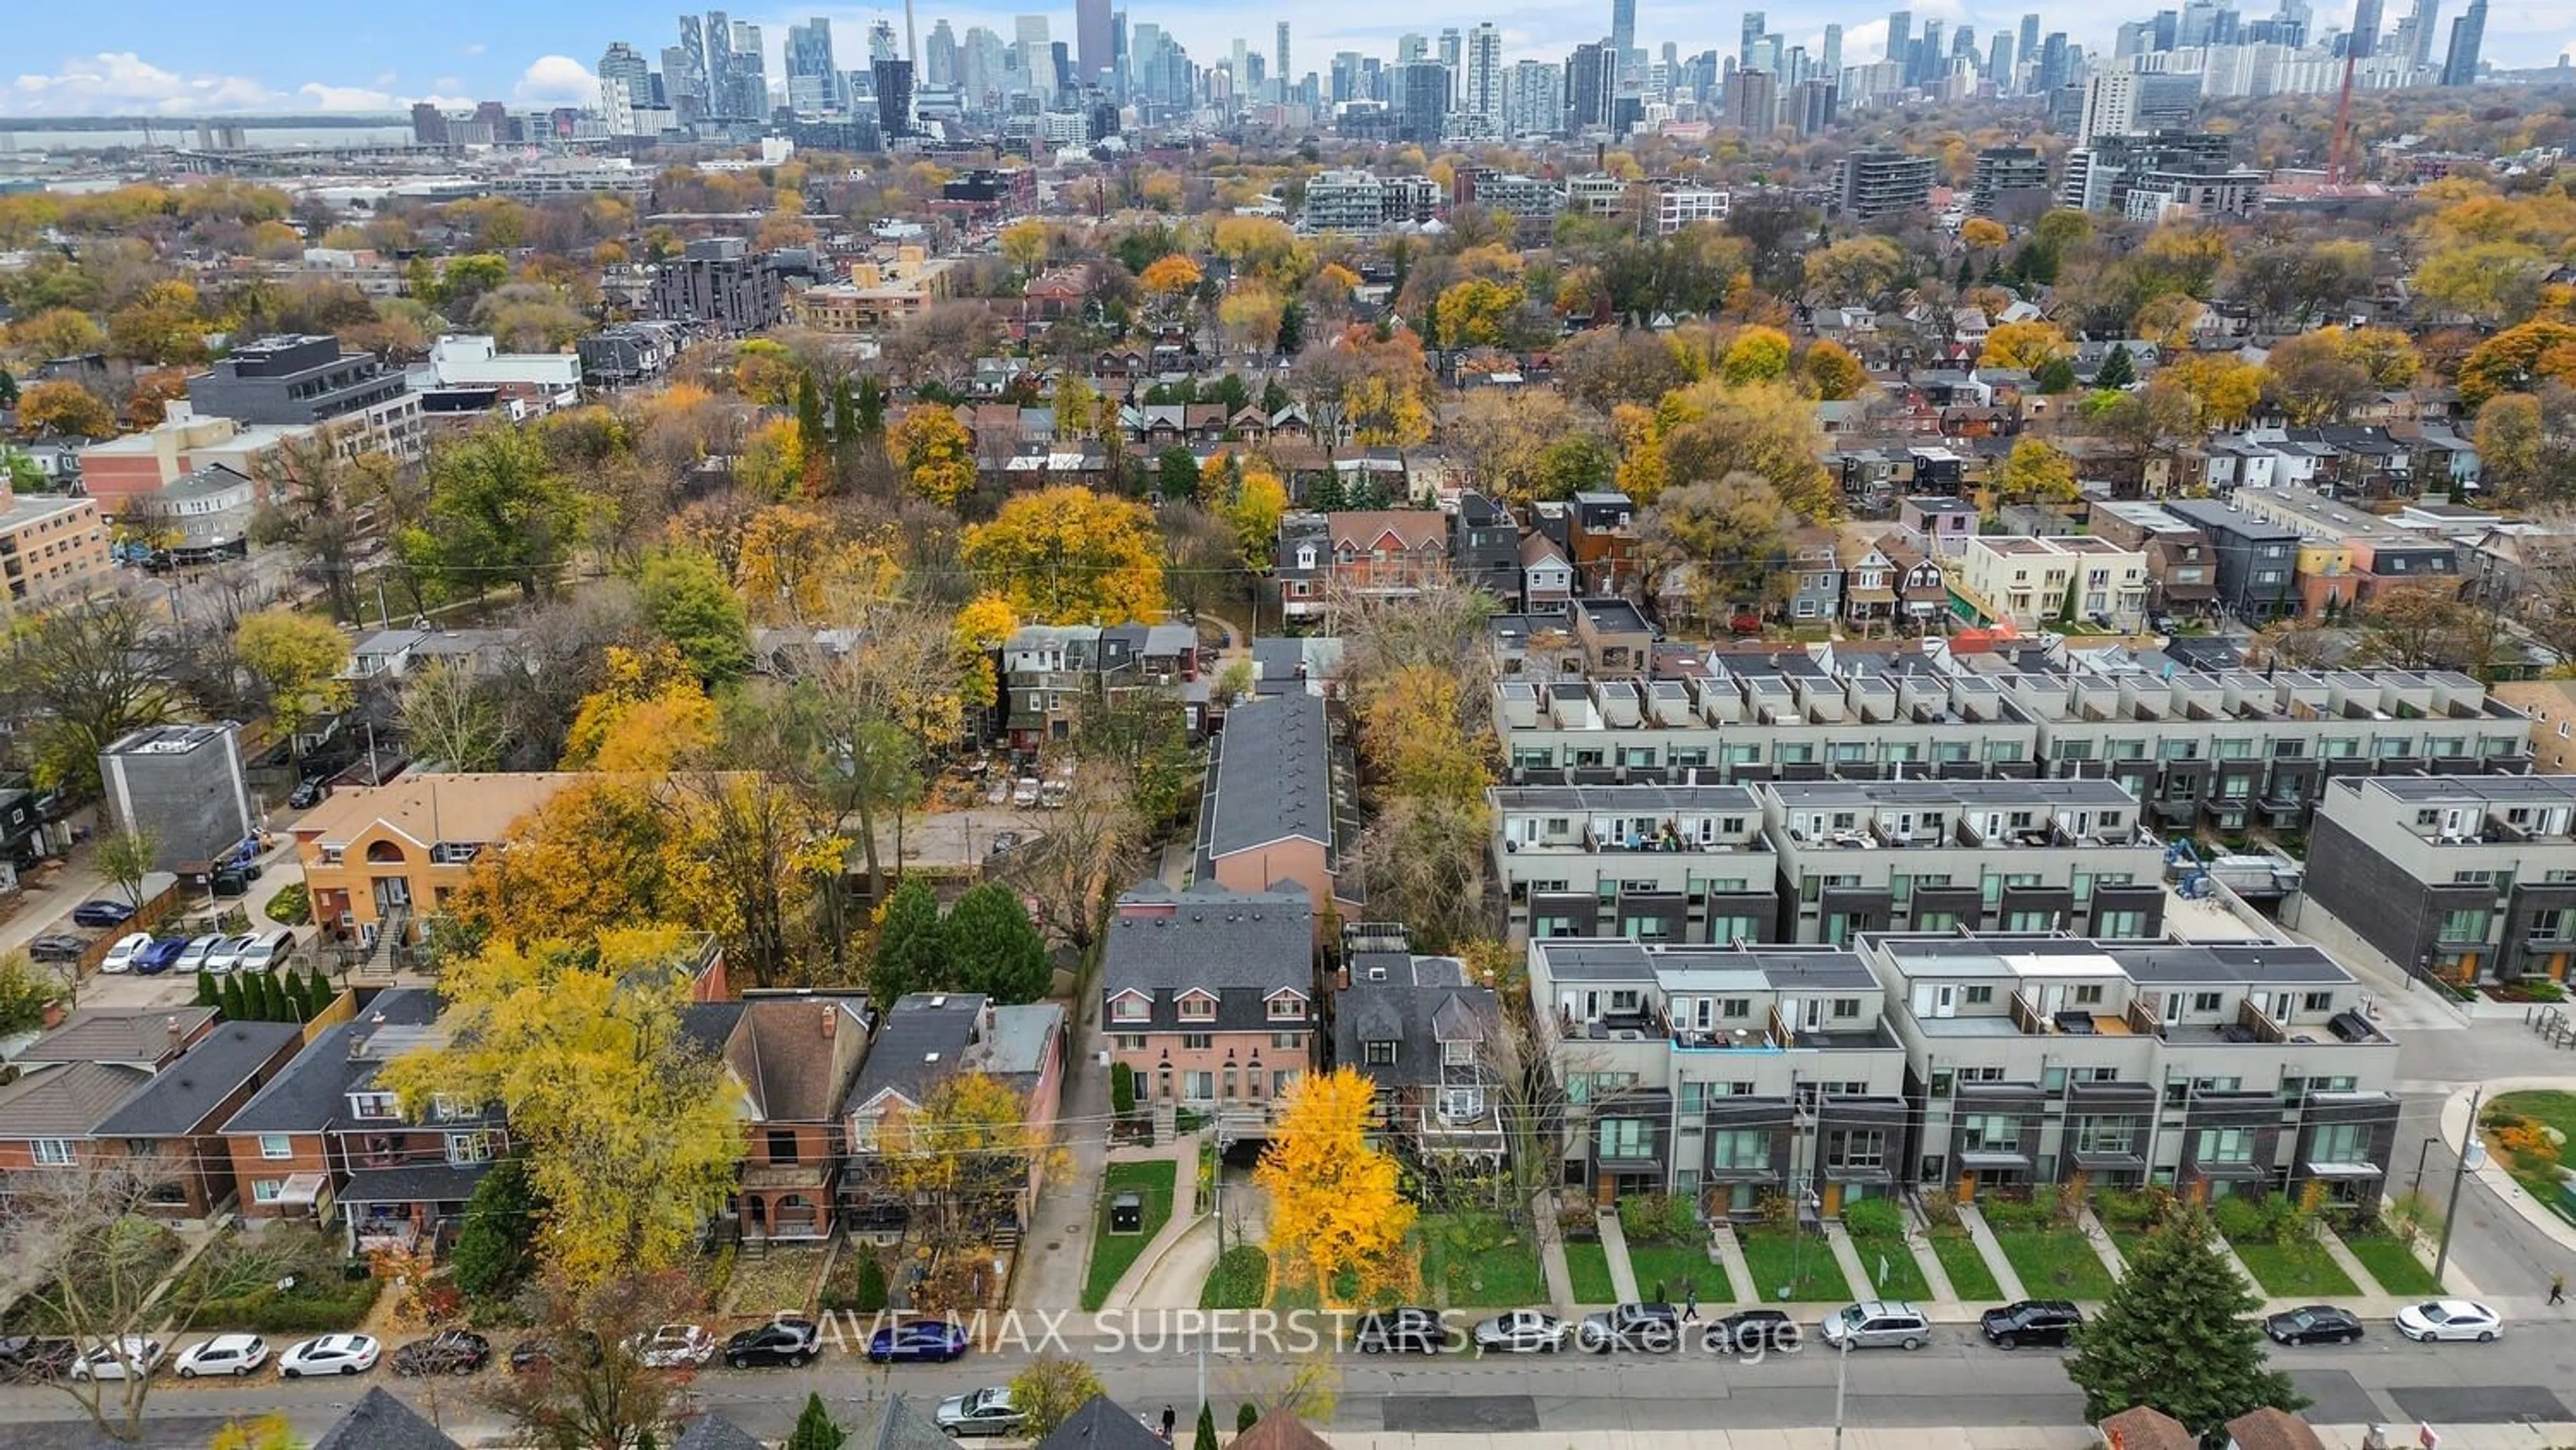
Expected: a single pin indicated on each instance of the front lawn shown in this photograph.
(1587, 1269)
(1803, 1262)
(1970, 1278)
(2055, 1263)
(2298, 1270)
(1902, 1278)
(1672, 1266)
(284, 1279)
(1480, 1261)
(1240, 1280)
(1111, 1254)
(2392, 1262)
(2513, 1127)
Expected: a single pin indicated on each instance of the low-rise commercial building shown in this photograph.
(52, 550)
(304, 381)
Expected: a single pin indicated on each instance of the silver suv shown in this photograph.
(1873, 1324)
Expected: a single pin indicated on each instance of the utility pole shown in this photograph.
(2459, 1175)
(1842, 1367)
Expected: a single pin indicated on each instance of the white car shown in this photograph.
(330, 1354)
(676, 1346)
(987, 1411)
(1523, 1331)
(120, 957)
(2449, 1319)
(192, 960)
(227, 953)
(111, 1361)
(233, 1354)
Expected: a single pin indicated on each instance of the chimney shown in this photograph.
(171, 1026)
(831, 1022)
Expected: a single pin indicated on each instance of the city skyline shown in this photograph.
(391, 59)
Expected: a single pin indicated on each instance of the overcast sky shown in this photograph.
(90, 57)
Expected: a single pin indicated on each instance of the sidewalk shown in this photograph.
(1060, 1231)
(1166, 1274)
(2007, 1278)
(2455, 1131)
(1614, 1248)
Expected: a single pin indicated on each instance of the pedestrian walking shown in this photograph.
(1170, 1419)
(2558, 1288)
(1690, 1300)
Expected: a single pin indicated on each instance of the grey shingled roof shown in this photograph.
(896, 1423)
(1423, 1002)
(1273, 776)
(105, 1036)
(917, 1026)
(415, 1183)
(711, 1431)
(1102, 1425)
(1241, 945)
(67, 1101)
(314, 1088)
(378, 1421)
(179, 1098)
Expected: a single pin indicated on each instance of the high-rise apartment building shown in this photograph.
(1422, 100)
(1538, 100)
(1591, 87)
(2363, 41)
(1286, 77)
(750, 73)
(813, 81)
(428, 125)
(1879, 183)
(1999, 61)
(1749, 40)
(1754, 102)
(2053, 62)
(1030, 43)
(939, 58)
(1900, 35)
(1480, 81)
(1831, 61)
(2110, 106)
(1623, 30)
(1091, 36)
(2468, 37)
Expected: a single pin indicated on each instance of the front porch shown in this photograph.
(408, 1209)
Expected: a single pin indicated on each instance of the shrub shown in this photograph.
(1658, 1218)
(292, 905)
(1874, 1218)
(1578, 1223)
(1122, 1089)
(308, 1308)
(1940, 1210)
(2128, 1208)
(2014, 1213)
(1245, 1417)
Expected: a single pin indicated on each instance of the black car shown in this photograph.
(60, 947)
(449, 1351)
(541, 1351)
(2032, 1321)
(2314, 1324)
(791, 1342)
(1752, 1332)
(307, 793)
(1409, 1331)
(102, 913)
(1653, 1327)
(25, 1357)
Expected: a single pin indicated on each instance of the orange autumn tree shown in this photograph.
(1336, 1208)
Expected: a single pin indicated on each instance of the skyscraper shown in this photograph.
(1927, 54)
(1999, 60)
(1029, 40)
(1410, 48)
(1538, 100)
(813, 83)
(1422, 100)
(1755, 103)
(2468, 36)
(1451, 49)
(1832, 60)
(1749, 40)
(1091, 38)
(1591, 86)
(2363, 40)
(2428, 14)
(1900, 35)
(750, 72)
(1480, 83)
(939, 60)
(720, 94)
(2052, 68)
(1623, 32)
(1284, 74)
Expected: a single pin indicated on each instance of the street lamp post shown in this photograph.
(2459, 1175)
(1842, 1368)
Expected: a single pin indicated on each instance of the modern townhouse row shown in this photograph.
(1961, 1063)
(2467, 879)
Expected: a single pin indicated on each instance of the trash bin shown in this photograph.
(1127, 1214)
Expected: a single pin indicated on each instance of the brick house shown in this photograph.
(1209, 996)
(789, 1058)
(928, 1038)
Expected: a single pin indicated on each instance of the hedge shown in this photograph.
(298, 1311)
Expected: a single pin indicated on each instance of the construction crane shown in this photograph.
(2335, 153)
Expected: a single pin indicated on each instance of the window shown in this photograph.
(1739, 1150)
(2317, 1002)
(276, 1145)
(1941, 1077)
(1380, 1054)
(1857, 1149)
(2224, 1145)
(53, 1152)
(374, 1105)
(266, 1190)
(1288, 1007)
(2104, 1135)
(2468, 924)
(1198, 1086)
(477, 1147)
(2088, 994)
(1624, 1138)
(1846, 1007)
(1198, 1007)
(1130, 1008)
(1458, 1054)
(1288, 1040)
(782, 1145)
(1989, 1133)
(1197, 1041)
(2340, 1143)
(2205, 1001)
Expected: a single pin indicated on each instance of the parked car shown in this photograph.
(1654, 1328)
(24, 1357)
(787, 1341)
(1522, 1331)
(1752, 1331)
(102, 913)
(544, 1352)
(987, 1411)
(2449, 1319)
(330, 1354)
(1411, 1331)
(1873, 1324)
(449, 1351)
(232, 1354)
(120, 957)
(225, 955)
(59, 947)
(674, 1346)
(193, 960)
(308, 793)
(2032, 1321)
(161, 956)
(2313, 1324)
(265, 952)
(917, 1340)
(112, 1360)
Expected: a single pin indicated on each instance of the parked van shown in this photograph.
(271, 952)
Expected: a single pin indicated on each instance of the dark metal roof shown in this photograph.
(1273, 776)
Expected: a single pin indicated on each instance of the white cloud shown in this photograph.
(475, 49)
(113, 81)
(347, 98)
(558, 80)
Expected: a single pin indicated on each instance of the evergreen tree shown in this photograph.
(1274, 398)
(291, 986)
(2066, 607)
(2118, 369)
(909, 946)
(1325, 495)
(207, 993)
(845, 414)
(318, 987)
(2178, 1333)
(1231, 393)
(1431, 326)
(260, 994)
(993, 948)
(1292, 331)
(1967, 277)
(1207, 1429)
(1176, 475)
(2055, 376)
(870, 407)
(809, 417)
(493, 1245)
(814, 1428)
(1246, 1415)
(230, 1000)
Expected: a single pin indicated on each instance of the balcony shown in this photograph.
(2133, 1021)
(1739, 1039)
(1642, 1025)
(1588, 842)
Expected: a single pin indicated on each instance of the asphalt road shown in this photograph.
(1954, 1381)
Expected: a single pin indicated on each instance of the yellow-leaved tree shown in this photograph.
(1254, 509)
(966, 1156)
(1337, 1211)
(2036, 472)
(1833, 371)
(936, 453)
(649, 711)
(2024, 345)
(980, 628)
(1070, 556)
(1757, 355)
(630, 1130)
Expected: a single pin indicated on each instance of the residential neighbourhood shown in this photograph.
(682, 752)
